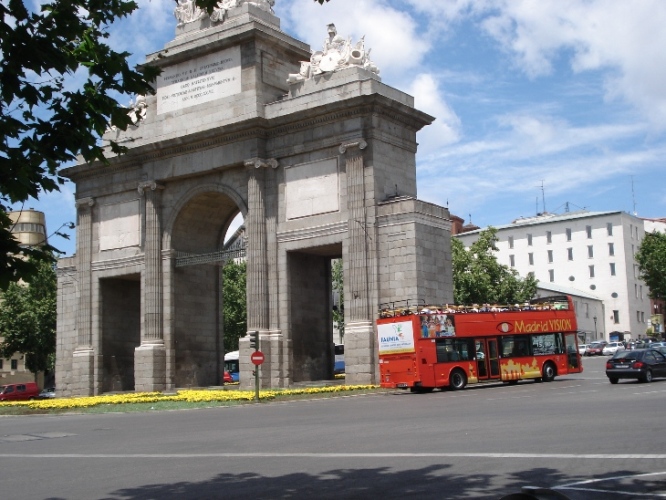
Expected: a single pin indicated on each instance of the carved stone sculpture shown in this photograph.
(187, 11)
(338, 53)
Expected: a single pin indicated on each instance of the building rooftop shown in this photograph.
(547, 218)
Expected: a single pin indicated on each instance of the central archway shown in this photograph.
(199, 228)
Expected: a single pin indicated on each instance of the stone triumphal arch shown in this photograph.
(316, 154)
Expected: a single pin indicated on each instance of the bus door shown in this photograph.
(487, 358)
(573, 356)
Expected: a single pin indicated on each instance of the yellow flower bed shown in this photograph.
(190, 396)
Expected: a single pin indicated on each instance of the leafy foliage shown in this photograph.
(28, 319)
(337, 277)
(651, 258)
(478, 278)
(48, 116)
(234, 303)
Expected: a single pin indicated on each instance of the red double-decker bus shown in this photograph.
(425, 347)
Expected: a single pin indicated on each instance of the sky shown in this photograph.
(539, 105)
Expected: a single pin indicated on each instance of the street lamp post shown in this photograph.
(595, 327)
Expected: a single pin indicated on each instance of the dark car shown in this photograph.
(595, 349)
(641, 364)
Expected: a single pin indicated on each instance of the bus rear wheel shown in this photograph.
(549, 372)
(457, 380)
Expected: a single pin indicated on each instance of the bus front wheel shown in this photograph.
(549, 372)
(457, 380)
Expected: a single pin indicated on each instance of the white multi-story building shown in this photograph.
(589, 251)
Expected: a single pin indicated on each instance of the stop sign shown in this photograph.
(257, 358)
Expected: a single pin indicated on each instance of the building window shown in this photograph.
(612, 268)
(550, 256)
(551, 275)
(636, 290)
(591, 271)
(530, 256)
(631, 230)
(568, 234)
(611, 249)
(512, 261)
(638, 316)
(609, 228)
(590, 251)
(549, 237)
(616, 316)
(587, 310)
(529, 240)
(633, 251)
(642, 316)
(588, 231)
(641, 289)
(570, 253)
(510, 241)
(531, 274)
(635, 271)
(14, 364)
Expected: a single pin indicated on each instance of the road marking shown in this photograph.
(574, 486)
(566, 456)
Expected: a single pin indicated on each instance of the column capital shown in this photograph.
(360, 143)
(261, 162)
(84, 202)
(149, 185)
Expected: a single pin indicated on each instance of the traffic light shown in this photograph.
(254, 340)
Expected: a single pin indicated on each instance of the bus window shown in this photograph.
(515, 346)
(453, 350)
(547, 343)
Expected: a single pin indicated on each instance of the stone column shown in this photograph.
(83, 363)
(257, 266)
(150, 356)
(359, 332)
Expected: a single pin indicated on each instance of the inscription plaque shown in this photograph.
(200, 80)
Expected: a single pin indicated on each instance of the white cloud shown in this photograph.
(427, 97)
(394, 36)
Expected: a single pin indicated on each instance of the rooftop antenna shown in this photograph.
(633, 196)
(543, 197)
(536, 209)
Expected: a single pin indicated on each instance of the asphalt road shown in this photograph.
(579, 435)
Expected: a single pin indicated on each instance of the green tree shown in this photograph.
(337, 277)
(651, 258)
(58, 80)
(478, 278)
(234, 303)
(28, 319)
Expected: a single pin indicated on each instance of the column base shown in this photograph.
(272, 372)
(360, 356)
(83, 372)
(150, 368)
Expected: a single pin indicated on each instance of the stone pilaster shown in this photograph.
(83, 366)
(152, 333)
(257, 257)
(356, 282)
(359, 331)
(150, 356)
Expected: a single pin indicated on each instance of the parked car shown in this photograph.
(595, 348)
(656, 345)
(612, 348)
(47, 393)
(582, 348)
(641, 364)
(227, 377)
(19, 392)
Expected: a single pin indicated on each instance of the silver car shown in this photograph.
(612, 347)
